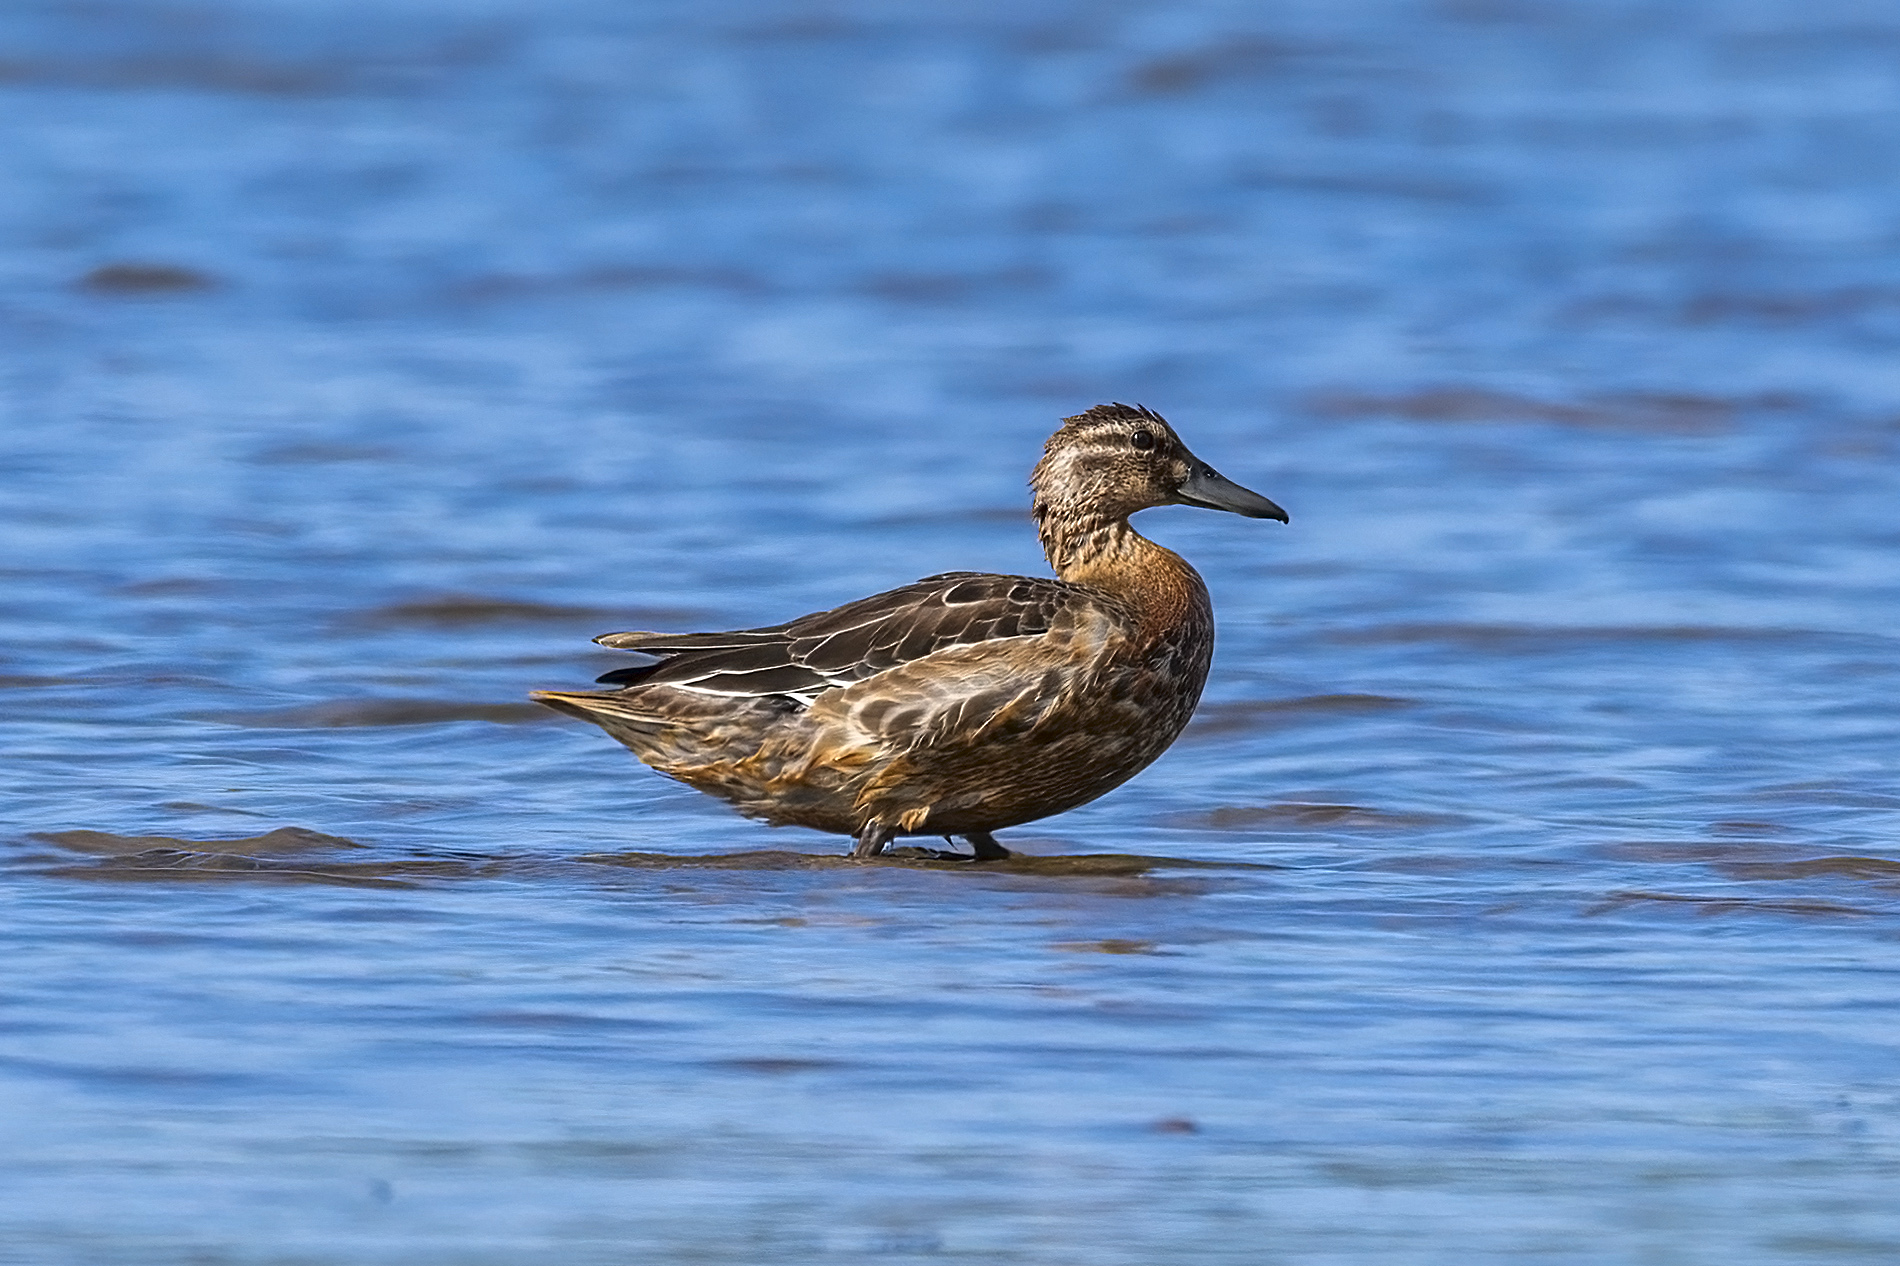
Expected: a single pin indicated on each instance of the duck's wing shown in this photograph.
(828, 650)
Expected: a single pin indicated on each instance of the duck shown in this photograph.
(963, 703)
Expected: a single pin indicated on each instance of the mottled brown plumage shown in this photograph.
(962, 703)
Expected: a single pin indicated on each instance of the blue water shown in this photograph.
(1527, 891)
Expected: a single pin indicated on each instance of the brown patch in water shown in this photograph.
(1423, 188)
(172, 586)
(343, 714)
(1710, 906)
(144, 279)
(1845, 867)
(1787, 307)
(777, 1066)
(1245, 58)
(1175, 1125)
(1669, 851)
(283, 840)
(763, 859)
(171, 865)
(459, 610)
(26, 681)
(1077, 865)
(1252, 714)
(279, 856)
(1308, 817)
(296, 855)
(1112, 945)
(1748, 828)
(932, 288)
(1828, 793)
(192, 806)
(1634, 411)
(182, 71)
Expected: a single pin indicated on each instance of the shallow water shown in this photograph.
(1528, 888)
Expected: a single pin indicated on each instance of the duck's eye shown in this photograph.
(1142, 440)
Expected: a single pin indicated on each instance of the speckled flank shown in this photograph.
(963, 703)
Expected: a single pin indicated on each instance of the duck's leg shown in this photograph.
(872, 838)
(987, 849)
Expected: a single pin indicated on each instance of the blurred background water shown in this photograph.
(1527, 890)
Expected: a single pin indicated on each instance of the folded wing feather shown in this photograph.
(831, 649)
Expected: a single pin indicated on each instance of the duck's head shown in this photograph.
(1118, 458)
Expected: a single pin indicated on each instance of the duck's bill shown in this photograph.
(1206, 487)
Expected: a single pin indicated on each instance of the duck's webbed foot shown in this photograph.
(872, 839)
(987, 849)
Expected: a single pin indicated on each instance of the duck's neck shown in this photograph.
(1078, 542)
(1103, 551)
(1165, 595)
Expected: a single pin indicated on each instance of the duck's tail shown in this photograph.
(610, 709)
